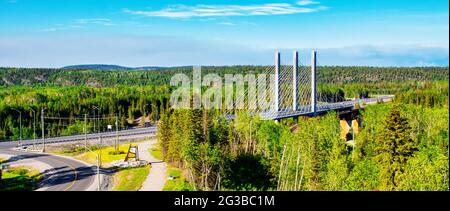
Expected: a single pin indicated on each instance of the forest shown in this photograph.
(71, 94)
(402, 145)
(71, 103)
(108, 78)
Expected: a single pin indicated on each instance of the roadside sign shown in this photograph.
(133, 152)
(109, 127)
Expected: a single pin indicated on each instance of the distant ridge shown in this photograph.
(106, 67)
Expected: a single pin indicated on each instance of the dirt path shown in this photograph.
(157, 177)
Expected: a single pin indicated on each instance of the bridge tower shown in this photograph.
(313, 82)
(294, 82)
(277, 81)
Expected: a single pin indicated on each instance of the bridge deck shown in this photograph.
(306, 111)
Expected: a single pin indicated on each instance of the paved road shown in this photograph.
(123, 134)
(68, 174)
(64, 175)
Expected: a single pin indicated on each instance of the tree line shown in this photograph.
(106, 78)
(68, 105)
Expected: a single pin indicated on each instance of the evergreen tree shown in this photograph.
(163, 134)
(395, 147)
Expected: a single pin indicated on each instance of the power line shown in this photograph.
(80, 118)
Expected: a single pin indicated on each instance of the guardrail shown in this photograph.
(123, 133)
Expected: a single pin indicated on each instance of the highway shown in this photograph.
(68, 174)
(65, 174)
(122, 134)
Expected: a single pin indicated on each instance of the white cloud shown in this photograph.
(183, 11)
(97, 21)
(79, 24)
(391, 55)
(226, 23)
(307, 2)
(57, 51)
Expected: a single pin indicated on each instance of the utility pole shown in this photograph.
(20, 126)
(97, 108)
(43, 131)
(98, 170)
(313, 83)
(94, 118)
(117, 135)
(34, 127)
(85, 132)
(98, 166)
(20, 123)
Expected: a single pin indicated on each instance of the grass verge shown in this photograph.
(130, 179)
(107, 154)
(178, 183)
(20, 179)
(155, 152)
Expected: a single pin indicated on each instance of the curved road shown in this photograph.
(65, 174)
(68, 174)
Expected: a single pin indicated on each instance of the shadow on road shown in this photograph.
(23, 157)
(65, 175)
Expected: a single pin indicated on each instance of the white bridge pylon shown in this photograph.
(293, 90)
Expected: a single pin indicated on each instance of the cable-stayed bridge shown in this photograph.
(294, 92)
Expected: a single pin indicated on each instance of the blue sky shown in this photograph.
(54, 33)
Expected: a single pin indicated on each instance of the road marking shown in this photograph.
(49, 159)
(74, 179)
(73, 169)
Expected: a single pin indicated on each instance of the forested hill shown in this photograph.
(96, 67)
(105, 78)
(107, 67)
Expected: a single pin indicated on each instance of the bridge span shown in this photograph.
(295, 92)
